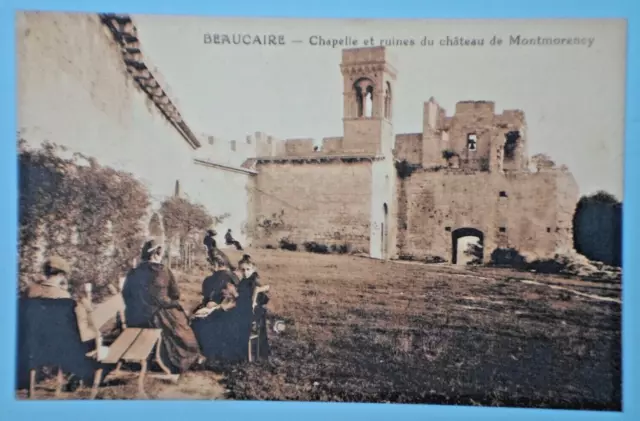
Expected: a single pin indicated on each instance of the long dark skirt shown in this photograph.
(224, 335)
(180, 349)
(217, 336)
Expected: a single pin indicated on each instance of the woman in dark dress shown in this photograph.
(212, 320)
(152, 300)
(252, 297)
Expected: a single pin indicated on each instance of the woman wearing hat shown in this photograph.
(151, 298)
(213, 250)
(56, 285)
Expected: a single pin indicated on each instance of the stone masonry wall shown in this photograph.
(332, 145)
(567, 197)
(515, 211)
(471, 117)
(409, 146)
(329, 203)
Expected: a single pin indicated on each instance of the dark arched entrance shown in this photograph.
(460, 233)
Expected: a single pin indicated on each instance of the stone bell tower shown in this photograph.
(368, 101)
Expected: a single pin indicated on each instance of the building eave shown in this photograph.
(224, 167)
(125, 35)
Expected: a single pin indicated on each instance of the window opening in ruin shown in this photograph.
(503, 229)
(447, 229)
(503, 194)
(364, 97)
(233, 145)
(467, 246)
(387, 101)
(472, 141)
(510, 144)
(177, 191)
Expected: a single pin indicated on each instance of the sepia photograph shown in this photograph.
(330, 210)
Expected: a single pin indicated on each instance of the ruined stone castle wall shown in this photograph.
(442, 133)
(329, 203)
(74, 90)
(409, 147)
(517, 211)
(567, 193)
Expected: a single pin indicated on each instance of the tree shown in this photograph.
(88, 214)
(597, 228)
(182, 219)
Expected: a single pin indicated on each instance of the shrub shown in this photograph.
(475, 251)
(508, 257)
(404, 169)
(447, 154)
(286, 244)
(434, 259)
(313, 247)
(597, 228)
(341, 248)
(93, 216)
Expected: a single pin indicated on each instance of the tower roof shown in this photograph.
(378, 57)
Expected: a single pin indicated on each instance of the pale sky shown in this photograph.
(572, 95)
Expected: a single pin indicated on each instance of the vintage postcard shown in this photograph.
(403, 211)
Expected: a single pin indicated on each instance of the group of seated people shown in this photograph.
(217, 330)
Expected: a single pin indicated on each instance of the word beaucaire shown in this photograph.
(244, 39)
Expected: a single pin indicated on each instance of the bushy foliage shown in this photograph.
(91, 215)
(597, 228)
(404, 169)
(183, 219)
(447, 154)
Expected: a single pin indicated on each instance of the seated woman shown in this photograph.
(214, 285)
(151, 299)
(55, 285)
(213, 319)
(252, 297)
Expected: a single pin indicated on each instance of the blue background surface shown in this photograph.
(10, 409)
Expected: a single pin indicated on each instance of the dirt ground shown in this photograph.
(361, 330)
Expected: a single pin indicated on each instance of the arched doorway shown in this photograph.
(385, 231)
(467, 245)
(364, 88)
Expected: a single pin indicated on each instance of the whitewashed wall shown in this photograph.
(382, 192)
(74, 90)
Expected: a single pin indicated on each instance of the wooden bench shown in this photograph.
(133, 345)
(136, 345)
